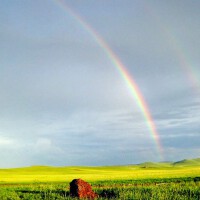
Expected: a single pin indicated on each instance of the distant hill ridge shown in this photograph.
(185, 162)
(181, 163)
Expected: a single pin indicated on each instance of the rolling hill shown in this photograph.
(148, 170)
(181, 163)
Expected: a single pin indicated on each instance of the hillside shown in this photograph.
(187, 163)
(147, 170)
(155, 165)
(181, 163)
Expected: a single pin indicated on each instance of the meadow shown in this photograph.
(180, 180)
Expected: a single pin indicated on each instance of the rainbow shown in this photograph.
(189, 70)
(122, 70)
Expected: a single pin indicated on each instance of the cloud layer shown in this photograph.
(63, 101)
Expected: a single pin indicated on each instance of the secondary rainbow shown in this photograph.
(168, 32)
(128, 79)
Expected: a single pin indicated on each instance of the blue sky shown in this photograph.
(63, 101)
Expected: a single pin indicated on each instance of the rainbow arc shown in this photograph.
(128, 79)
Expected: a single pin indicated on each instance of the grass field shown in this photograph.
(179, 180)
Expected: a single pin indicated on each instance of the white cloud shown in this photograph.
(5, 141)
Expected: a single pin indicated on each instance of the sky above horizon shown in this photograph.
(63, 101)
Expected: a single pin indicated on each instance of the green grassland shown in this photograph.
(148, 170)
(167, 180)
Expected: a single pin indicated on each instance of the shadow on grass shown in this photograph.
(106, 193)
(58, 192)
(109, 194)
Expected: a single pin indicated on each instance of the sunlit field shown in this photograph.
(179, 180)
(66, 174)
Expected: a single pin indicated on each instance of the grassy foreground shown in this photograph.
(180, 180)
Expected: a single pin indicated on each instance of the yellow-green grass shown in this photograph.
(66, 174)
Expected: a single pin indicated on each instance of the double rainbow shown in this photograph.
(128, 79)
